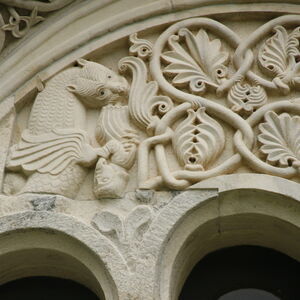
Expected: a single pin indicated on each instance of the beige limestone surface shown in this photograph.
(139, 136)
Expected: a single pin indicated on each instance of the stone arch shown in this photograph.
(225, 211)
(211, 208)
(49, 51)
(53, 244)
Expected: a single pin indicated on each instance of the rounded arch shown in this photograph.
(230, 210)
(53, 244)
(243, 272)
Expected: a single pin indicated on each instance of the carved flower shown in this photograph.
(200, 64)
(198, 140)
(245, 98)
(280, 138)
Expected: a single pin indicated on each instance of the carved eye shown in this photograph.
(102, 92)
(104, 179)
(109, 76)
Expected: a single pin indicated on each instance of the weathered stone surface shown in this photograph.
(138, 136)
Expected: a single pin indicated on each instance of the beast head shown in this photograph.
(110, 180)
(97, 85)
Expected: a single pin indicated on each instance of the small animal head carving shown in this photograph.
(110, 180)
(97, 85)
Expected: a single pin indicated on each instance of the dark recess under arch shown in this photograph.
(45, 288)
(243, 267)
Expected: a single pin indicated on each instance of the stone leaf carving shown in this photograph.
(245, 98)
(280, 56)
(20, 25)
(109, 224)
(55, 148)
(201, 65)
(280, 138)
(39, 4)
(140, 47)
(126, 233)
(118, 154)
(198, 140)
(145, 106)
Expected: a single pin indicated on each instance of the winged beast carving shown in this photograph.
(54, 150)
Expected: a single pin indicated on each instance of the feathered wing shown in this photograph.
(47, 153)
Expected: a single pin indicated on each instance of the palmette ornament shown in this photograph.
(198, 140)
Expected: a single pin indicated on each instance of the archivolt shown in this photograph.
(52, 244)
(112, 24)
(230, 210)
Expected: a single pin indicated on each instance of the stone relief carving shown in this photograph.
(126, 233)
(140, 47)
(120, 139)
(245, 98)
(19, 25)
(280, 56)
(202, 66)
(55, 150)
(190, 89)
(197, 140)
(280, 139)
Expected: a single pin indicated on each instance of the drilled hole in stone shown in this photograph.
(297, 58)
(196, 122)
(290, 162)
(192, 160)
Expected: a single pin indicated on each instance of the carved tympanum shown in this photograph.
(169, 117)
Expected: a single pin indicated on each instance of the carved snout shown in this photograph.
(120, 86)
